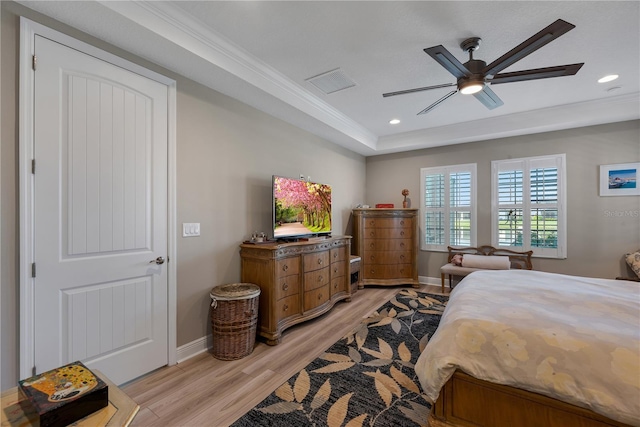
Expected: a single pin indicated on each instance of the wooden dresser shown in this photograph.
(387, 242)
(298, 281)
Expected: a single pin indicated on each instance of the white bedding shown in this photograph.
(575, 339)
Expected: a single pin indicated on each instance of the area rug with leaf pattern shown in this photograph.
(365, 379)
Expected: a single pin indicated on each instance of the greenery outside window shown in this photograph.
(448, 206)
(528, 209)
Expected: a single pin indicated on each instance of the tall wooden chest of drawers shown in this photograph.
(298, 281)
(387, 242)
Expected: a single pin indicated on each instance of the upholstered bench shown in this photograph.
(483, 258)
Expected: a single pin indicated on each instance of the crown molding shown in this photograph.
(178, 27)
(588, 113)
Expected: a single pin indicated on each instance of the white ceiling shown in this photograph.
(262, 53)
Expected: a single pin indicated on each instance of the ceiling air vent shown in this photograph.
(332, 81)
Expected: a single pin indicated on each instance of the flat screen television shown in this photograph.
(300, 208)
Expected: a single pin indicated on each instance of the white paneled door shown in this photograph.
(100, 221)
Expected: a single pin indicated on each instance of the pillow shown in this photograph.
(457, 259)
(633, 260)
(489, 262)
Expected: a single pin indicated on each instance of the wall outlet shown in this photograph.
(190, 229)
(302, 177)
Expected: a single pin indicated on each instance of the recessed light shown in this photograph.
(394, 121)
(608, 78)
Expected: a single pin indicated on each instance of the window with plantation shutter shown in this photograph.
(528, 205)
(448, 206)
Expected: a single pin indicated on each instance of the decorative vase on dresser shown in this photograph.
(387, 242)
(298, 281)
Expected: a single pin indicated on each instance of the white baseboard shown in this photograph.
(194, 348)
(429, 280)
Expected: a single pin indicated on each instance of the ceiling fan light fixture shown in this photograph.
(474, 76)
(470, 87)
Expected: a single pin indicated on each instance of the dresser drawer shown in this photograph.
(388, 223)
(316, 297)
(389, 233)
(288, 306)
(338, 269)
(287, 285)
(338, 254)
(316, 279)
(396, 271)
(388, 244)
(386, 257)
(338, 284)
(315, 261)
(287, 266)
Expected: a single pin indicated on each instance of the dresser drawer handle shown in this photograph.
(373, 271)
(402, 244)
(319, 278)
(319, 260)
(319, 296)
(372, 222)
(372, 257)
(402, 257)
(402, 233)
(335, 286)
(285, 307)
(335, 270)
(285, 267)
(285, 286)
(372, 234)
(335, 255)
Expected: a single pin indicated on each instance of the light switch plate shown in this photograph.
(190, 229)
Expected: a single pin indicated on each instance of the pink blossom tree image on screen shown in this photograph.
(301, 207)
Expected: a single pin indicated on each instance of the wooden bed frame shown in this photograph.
(465, 401)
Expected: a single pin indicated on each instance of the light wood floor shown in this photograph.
(205, 391)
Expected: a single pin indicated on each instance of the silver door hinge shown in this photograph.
(33, 62)
(33, 269)
(33, 166)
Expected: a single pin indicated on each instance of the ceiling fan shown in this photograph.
(475, 76)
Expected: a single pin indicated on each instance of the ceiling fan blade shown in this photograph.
(488, 98)
(530, 45)
(438, 102)
(418, 89)
(538, 73)
(448, 61)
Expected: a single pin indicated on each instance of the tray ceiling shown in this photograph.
(267, 55)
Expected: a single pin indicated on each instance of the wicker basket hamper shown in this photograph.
(234, 319)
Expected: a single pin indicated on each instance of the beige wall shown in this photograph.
(8, 202)
(600, 229)
(226, 155)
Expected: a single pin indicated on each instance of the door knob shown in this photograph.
(158, 261)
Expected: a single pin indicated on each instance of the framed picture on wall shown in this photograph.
(620, 179)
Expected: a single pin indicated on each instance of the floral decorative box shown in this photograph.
(64, 395)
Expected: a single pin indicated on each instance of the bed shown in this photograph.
(528, 348)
